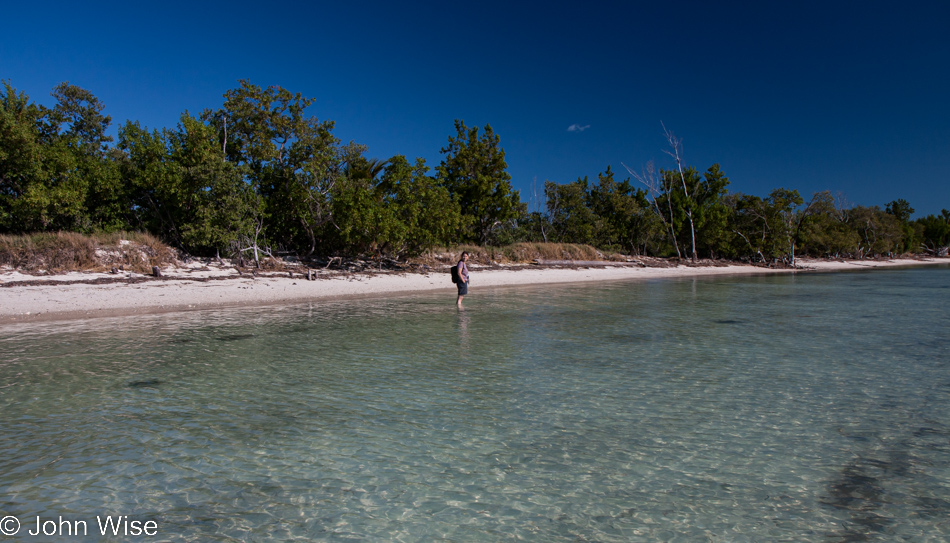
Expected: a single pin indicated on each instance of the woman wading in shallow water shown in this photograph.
(463, 279)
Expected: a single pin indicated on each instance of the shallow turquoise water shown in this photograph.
(797, 408)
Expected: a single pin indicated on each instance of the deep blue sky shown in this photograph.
(841, 96)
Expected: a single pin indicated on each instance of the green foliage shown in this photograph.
(405, 213)
(609, 214)
(21, 164)
(431, 217)
(363, 221)
(183, 187)
(215, 204)
(364, 169)
(292, 161)
(879, 233)
(151, 178)
(693, 201)
(261, 174)
(571, 218)
(767, 229)
(901, 209)
(780, 226)
(782, 207)
(832, 229)
(54, 170)
(933, 231)
(626, 222)
(824, 231)
(77, 119)
(710, 211)
(474, 171)
(748, 222)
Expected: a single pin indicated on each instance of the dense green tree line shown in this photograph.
(259, 175)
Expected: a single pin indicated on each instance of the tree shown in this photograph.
(536, 224)
(879, 232)
(78, 118)
(824, 231)
(21, 152)
(676, 209)
(293, 161)
(219, 208)
(783, 208)
(770, 229)
(362, 221)
(54, 170)
(710, 211)
(901, 209)
(184, 190)
(686, 204)
(78, 124)
(766, 226)
(475, 174)
(145, 163)
(626, 222)
(697, 215)
(658, 186)
(934, 232)
(749, 224)
(429, 215)
(363, 169)
(572, 220)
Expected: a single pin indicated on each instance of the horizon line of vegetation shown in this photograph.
(260, 177)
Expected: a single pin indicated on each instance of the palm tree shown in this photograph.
(363, 169)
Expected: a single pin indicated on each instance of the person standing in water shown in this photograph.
(463, 278)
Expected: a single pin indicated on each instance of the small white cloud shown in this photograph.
(577, 128)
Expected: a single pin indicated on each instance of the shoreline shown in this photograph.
(93, 295)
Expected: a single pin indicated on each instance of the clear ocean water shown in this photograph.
(813, 407)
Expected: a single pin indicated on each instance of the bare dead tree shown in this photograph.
(253, 243)
(842, 206)
(653, 181)
(224, 141)
(677, 153)
(554, 206)
(757, 212)
(539, 207)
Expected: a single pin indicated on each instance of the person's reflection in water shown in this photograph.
(463, 319)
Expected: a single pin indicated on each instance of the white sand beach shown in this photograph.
(89, 295)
